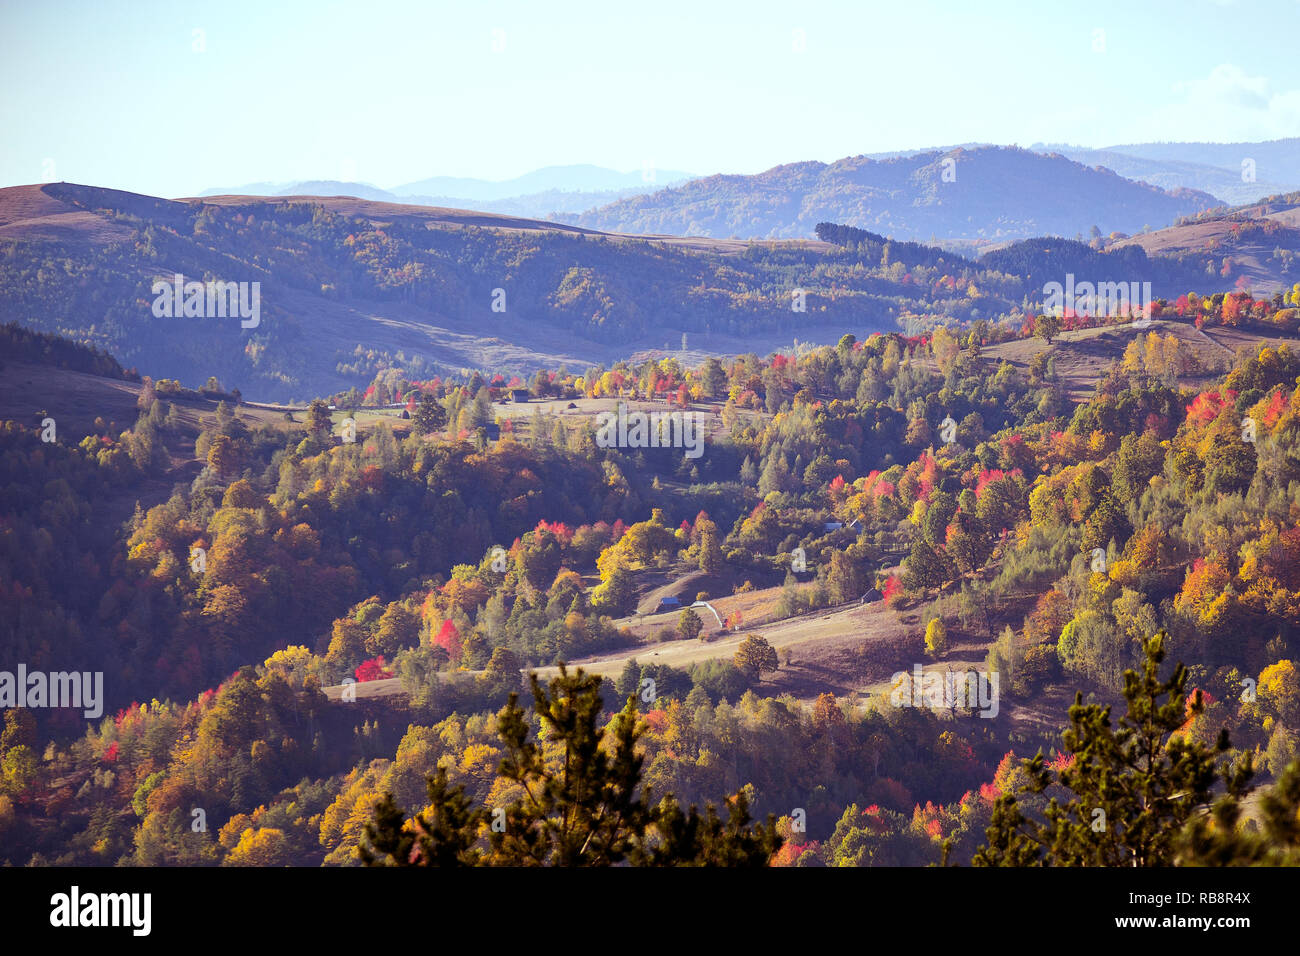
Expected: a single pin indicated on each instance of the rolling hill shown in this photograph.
(349, 287)
(1170, 174)
(1257, 242)
(985, 192)
(1215, 168)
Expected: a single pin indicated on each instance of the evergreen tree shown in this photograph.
(713, 379)
(429, 415)
(689, 624)
(711, 561)
(1220, 840)
(319, 422)
(1133, 788)
(445, 837)
(629, 680)
(925, 567)
(583, 801)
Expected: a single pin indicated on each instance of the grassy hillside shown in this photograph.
(349, 288)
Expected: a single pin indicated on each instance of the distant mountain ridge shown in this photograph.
(1234, 172)
(1282, 153)
(1216, 168)
(569, 179)
(987, 192)
(537, 194)
(571, 192)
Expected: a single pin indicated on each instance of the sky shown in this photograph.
(170, 98)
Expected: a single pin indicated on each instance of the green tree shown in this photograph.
(713, 378)
(502, 669)
(689, 623)
(939, 512)
(710, 547)
(397, 630)
(1139, 459)
(1132, 789)
(1107, 521)
(629, 680)
(583, 802)
(1219, 840)
(925, 567)
(615, 594)
(429, 415)
(319, 422)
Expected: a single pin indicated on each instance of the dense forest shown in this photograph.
(990, 513)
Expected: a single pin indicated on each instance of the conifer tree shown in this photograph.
(689, 624)
(429, 415)
(319, 422)
(1132, 788)
(583, 801)
(1221, 840)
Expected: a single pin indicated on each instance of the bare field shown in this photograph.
(575, 413)
(1083, 356)
(73, 399)
(829, 630)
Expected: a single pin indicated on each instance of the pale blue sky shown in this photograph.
(115, 93)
